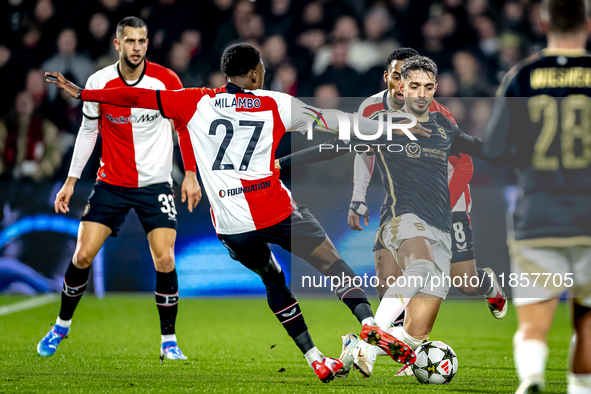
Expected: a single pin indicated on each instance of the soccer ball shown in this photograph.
(436, 363)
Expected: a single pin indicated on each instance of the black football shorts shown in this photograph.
(300, 233)
(462, 238)
(109, 205)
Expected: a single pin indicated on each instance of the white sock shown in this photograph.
(397, 297)
(579, 383)
(63, 323)
(529, 355)
(313, 355)
(400, 334)
(370, 321)
(389, 310)
(168, 338)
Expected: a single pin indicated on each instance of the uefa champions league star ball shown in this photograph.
(436, 363)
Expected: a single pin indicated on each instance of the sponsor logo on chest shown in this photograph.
(133, 118)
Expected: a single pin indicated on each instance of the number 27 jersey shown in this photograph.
(234, 134)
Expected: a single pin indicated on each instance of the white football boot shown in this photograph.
(350, 342)
(364, 357)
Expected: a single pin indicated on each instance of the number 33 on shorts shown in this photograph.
(167, 205)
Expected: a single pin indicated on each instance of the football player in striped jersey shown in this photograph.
(135, 172)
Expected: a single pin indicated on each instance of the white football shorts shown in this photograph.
(408, 226)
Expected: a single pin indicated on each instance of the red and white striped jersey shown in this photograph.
(234, 135)
(459, 169)
(137, 142)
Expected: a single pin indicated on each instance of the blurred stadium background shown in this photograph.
(322, 48)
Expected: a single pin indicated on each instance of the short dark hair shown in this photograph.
(419, 63)
(130, 21)
(400, 54)
(239, 59)
(564, 16)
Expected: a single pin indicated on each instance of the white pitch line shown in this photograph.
(29, 304)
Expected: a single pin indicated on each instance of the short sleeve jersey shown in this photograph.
(137, 142)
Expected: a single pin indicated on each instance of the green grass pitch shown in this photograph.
(237, 346)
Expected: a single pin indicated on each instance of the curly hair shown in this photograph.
(419, 63)
(400, 54)
(239, 59)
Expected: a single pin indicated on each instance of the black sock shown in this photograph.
(486, 282)
(167, 298)
(75, 282)
(286, 308)
(352, 296)
(304, 342)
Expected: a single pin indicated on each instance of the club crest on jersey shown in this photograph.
(237, 102)
(442, 132)
(413, 150)
(132, 118)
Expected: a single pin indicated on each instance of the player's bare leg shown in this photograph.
(91, 237)
(579, 377)
(476, 281)
(421, 313)
(423, 319)
(530, 349)
(161, 242)
(415, 257)
(386, 267)
(326, 259)
(467, 268)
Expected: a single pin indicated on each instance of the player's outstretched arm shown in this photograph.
(464, 143)
(178, 105)
(314, 154)
(123, 97)
(61, 82)
(330, 121)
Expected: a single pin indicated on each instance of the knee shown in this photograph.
(82, 259)
(164, 263)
